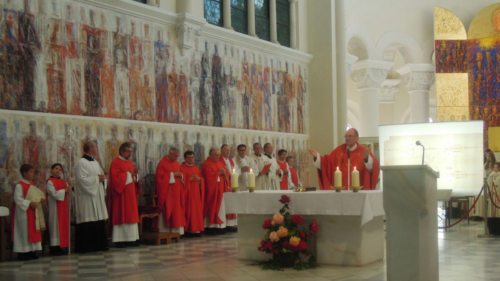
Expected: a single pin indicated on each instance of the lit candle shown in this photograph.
(251, 180)
(355, 177)
(337, 178)
(234, 180)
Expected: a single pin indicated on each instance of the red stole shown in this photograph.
(62, 212)
(122, 196)
(284, 171)
(339, 158)
(215, 185)
(170, 194)
(194, 198)
(295, 176)
(34, 236)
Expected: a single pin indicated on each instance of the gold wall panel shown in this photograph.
(447, 26)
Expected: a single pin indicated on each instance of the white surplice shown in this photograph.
(54, 196)
(21, 244)
(89, 192)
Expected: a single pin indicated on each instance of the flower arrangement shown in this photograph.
(288, 239)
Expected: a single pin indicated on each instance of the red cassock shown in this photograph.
(170, 195)
(194, 198)
(339, 158)
(34, 236)
(215, 185)
(295, 176)
(123, 198)
(62, 212)
(283, 166)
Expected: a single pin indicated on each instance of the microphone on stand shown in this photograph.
(423, 150)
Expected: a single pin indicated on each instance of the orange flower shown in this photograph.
(282, 232)
(294, 241)
(273, 236)
(278, 218)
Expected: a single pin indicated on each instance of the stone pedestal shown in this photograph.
(410, 194)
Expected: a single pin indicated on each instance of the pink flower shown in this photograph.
(284, 199)
(267, 224)
(278, 218)
(314, 227)
(297, 219)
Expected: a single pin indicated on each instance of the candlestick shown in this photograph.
(355, 179)
(234, 181)
(251, 180)
(337, 180)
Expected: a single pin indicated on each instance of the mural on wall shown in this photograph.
(471, 61)
(60, 56)
(43, 139)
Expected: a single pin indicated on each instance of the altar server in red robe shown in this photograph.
(124, 211)
(216, 182)
(294, 174)
(27, 239)
(58, 191)
(347, 156)
(283, 170)
(194, 196)
(170, 190)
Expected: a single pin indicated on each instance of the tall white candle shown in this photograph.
(355, 177)
(234, 179)
(251, 179)
(337, 178)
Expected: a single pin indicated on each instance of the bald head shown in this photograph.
(351, 137)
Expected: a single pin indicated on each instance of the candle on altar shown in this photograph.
(337, 178)
(355, 177)
(234, 180)
(251, 179)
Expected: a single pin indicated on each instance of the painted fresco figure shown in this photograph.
(55, 69)
(161, 82)
(92, 63)
(203, 94)
(121, 83)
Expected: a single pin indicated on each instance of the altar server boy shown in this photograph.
(57, 190)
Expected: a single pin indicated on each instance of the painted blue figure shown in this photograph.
(202, 94)
(217, 88)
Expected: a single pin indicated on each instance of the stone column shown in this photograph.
(389, 88)
(368, 76)
(418, 78)
(251, 17)
(226, 14)
(273, 22)
(293, 23)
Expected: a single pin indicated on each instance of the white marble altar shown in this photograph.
(410, 204)
(351, 225)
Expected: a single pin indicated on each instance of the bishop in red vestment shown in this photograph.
(194, 196)
(216, 181)
(347, 156)
(124, 211)
(170, 190)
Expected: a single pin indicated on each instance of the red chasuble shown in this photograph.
(295, 176)
(123, 198)
(339, 158)
(62, 212)
(34, 236)
(195, 196)
(170, 195)
(284, 171)
(215, 185)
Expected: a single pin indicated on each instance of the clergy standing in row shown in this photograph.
(123, 210)
(169, 187)
(347, 156)
(216, 182)
(57, 191)
(91, 212)
(194, 196)
(27, 239)
(272, 176)
(242, 162)
(284, 171)
(231, 219)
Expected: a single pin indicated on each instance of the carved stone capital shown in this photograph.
(417, 77)
(388, 91)
(188, 28)
(369, 74)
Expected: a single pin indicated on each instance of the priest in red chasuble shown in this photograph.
(170, 190)
(347, 156)
(216, 182)
(194, 195)
(124, 211)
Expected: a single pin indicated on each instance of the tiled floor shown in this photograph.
(463, 256)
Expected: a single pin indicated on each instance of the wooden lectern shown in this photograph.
(411, 222)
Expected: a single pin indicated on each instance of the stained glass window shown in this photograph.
(213, 11)
(239, 15)
(262, 22)
(283, 22)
